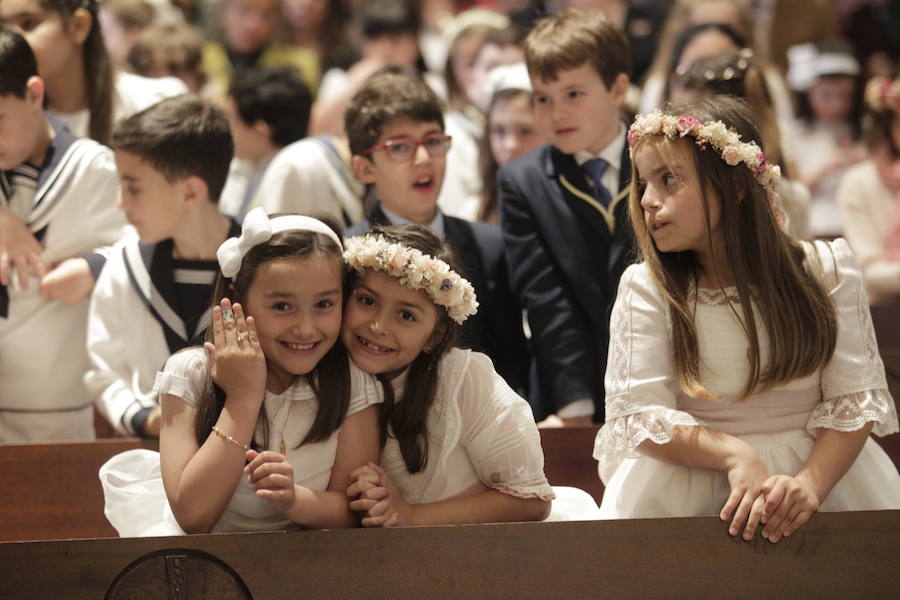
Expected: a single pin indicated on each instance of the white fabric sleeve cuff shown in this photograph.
(579, 408)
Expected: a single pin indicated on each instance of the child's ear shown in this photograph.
(79, 25)
(363, 168)
(619, 88)
(436, 337)
(194, 189)
(262, 128)
(34, 91)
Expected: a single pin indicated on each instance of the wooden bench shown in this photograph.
(836, 555)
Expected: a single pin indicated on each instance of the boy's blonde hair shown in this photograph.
(778, 289)
(573, 37)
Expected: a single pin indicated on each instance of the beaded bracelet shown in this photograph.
(227, 437)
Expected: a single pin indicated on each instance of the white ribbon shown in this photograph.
(258, 228)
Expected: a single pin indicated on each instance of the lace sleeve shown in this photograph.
(499, 434)
(640, 376)
(851, 411)
(854, 387)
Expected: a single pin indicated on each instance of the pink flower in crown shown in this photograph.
(399, 260)
(687, 124)
(762, 166)
(455, 292)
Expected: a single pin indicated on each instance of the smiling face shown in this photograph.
(386, 325)
(672, 200)
(577, 111)
(296, 303)
(409, 189)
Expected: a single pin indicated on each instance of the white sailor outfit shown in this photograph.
(136, 321)
(42, 342)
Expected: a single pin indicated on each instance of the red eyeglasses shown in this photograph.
(402, 149)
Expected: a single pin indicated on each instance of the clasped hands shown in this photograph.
(780, 503)
(375, 498)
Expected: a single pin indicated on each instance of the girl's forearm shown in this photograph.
(490, 506)
(832, 456)
(700, 448)
(321, 510)
(211, 475)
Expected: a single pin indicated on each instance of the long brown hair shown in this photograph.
(488, 208)
(767, 265)
(98, 72)
(329, 380)
(406, 420)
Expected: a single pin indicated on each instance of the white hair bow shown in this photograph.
(258, 228)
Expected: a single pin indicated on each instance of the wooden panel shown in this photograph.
(52, 490)
(568, 458)
(837, 555)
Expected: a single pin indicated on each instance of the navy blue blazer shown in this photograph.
(496, 329)
(565, 259)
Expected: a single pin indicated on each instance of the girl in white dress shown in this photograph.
(743, 376)
(261, 430)
(459, 445)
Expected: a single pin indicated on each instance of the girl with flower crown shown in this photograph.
(262, 427)
(459, 445)
(869, 195)
(743, 376)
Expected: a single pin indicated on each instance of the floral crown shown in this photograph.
(415, 270)
(883, 93)
(715, 134)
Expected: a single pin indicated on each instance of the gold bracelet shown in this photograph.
(227, 437)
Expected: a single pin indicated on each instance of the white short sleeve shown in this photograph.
(854, 388)
(365, 390)
(183, 376)
(499, 433)
(641, 384)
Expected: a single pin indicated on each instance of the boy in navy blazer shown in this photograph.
(395, 127)
(563, 209)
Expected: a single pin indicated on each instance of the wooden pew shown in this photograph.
(51, 491)
(836, 555)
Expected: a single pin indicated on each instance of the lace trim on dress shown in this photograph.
(619, 438)
(870, 377)
(541, 492)
(850, 412)
(716, 296)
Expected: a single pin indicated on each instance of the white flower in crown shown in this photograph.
(716, 134)
(416, 271)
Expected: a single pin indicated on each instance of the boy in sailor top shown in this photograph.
(153, 296)
(57, 205)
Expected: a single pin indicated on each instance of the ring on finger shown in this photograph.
(242, 337)
(228, 317)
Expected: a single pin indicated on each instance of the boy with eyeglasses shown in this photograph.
(395, 127)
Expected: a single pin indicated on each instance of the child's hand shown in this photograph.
(19, 250)
(381, 504)
(790, 502)
(746, 476)
(236, 360)
(69, 282)
(272, 476)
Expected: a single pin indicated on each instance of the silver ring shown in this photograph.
(227, 316)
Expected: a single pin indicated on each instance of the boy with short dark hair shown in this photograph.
(153, 296)
(563, 209)
(395, 126)
(283, 170)
(57, 210)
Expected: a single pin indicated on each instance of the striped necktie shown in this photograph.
(595, 168)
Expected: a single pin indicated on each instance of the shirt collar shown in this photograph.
(436, 225)
(611, 154)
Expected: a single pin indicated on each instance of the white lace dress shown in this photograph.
(136, 502)
(644, 400)
(481, 436)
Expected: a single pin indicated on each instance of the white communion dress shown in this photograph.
(644, 400)
(481, 436)
(136, 503)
